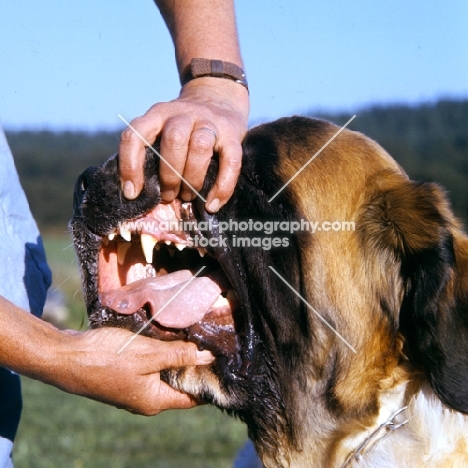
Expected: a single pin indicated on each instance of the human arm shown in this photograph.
(199, 29)
(88, 363)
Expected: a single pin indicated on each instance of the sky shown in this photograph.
(78, 64)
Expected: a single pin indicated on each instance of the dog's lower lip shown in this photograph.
(214, 333)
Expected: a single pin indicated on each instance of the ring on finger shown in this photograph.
(211, 131)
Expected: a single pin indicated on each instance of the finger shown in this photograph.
(154, 396)
(200, 152)
(174, 148)
(132, 154)
(167, 398)
(230, 162)
(179, 354)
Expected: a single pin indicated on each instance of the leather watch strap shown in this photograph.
(205, 67)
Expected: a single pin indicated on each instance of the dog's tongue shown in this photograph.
(176, 300)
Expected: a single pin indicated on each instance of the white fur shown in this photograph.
(434, 437)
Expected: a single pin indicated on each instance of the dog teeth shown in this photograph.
(201, 251)
(168, 242)
(147, 244)
(179, 246)
(111, 236)
(150, 271)
(126, 234)
(122, 249)
(220, 302)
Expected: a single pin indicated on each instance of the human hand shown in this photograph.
(128, 379)
(210, 115)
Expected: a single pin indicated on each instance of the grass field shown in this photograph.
(61, 430)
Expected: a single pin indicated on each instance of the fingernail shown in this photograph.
(213, 206)
(128, 190)
(168, 195)
(205, 357)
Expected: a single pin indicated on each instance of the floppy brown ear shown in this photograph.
(417, 228)
(446, 353)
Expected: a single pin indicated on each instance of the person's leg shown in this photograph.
(10, 391)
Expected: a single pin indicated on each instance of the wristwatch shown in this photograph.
(200, 67)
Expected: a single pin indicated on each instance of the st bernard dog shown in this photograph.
(332, 289)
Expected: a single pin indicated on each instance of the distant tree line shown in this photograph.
(49, 163)
(429, 141)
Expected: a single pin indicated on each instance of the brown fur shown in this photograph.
(349, 276)
(395, 288)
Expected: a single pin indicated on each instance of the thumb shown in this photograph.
(180, 354)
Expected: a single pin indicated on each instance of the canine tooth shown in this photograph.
(168, 242)
(111, 236)
(179, 246)
(122, 249)
(220, 302)
(126, 234)
(201, 251)
(147, 244)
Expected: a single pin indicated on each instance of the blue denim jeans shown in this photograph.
(24, 280)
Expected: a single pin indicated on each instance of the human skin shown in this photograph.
(89, 363)
(199, 29)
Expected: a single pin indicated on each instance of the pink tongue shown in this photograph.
(176, 300)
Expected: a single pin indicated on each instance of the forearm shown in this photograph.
(27, 344)
(90, 364)
(203, 29)
(210, 116)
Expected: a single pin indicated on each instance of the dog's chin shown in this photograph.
(153, 278)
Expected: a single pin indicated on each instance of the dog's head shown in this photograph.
(307, 319)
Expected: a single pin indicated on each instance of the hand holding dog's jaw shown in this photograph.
(89, 363)
(128, 379)
(210, 115)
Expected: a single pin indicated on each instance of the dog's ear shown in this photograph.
(416, 227)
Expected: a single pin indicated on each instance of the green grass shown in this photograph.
(61, 430)
(58, 429)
